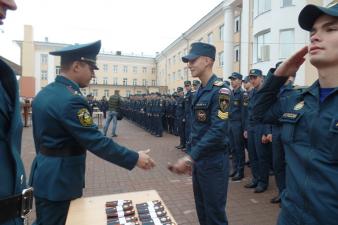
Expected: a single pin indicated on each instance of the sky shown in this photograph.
(131, 26)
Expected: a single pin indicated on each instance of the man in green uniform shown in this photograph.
(63, 130)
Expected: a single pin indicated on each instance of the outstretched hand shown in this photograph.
(290, 66)
(182, 166)
(145, 161)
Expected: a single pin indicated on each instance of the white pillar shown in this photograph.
(228, 41)
(244, 48)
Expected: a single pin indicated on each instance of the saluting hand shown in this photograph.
(290, 66)
(145, 161)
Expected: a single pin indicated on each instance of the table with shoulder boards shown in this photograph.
(91, 210)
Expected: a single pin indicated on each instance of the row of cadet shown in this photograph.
(157, 113)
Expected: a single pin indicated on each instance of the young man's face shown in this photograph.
(323, 49)
(198, 65)
(255, 81)
(235, 83)
(4, 5)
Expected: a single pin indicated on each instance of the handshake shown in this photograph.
(182, 165)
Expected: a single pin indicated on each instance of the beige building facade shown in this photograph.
(246, 33)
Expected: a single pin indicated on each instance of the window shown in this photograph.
(186, 72)
(144, 69)
(44, 59)
(84, 91)
(125, 81)
(134, 69)
(153, 82)
(286, 3)
(134, 82)
(236, 53)
(44, 75)
(237, 25)
(115, 68)
(106, 93)
(144, 82)
(261, 6)
(125, 69)
(179, 74)
(152, 70)
(174, 59)
(128, 93)
(105, 67)
(95, 92)
(57, 70)
(210, 38)
(169, 77)
(261, 49)
(221, 32)
(174, 77)
(138, 92)
(105, 80)
(286, 39)
(114, 80)
(221, 59)
(94, 81)
(179, 56)
(169, 62)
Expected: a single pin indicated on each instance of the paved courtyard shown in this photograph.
(243, 206)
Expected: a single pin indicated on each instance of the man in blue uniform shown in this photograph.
(208, 155)
(12, 174)
(180, 118)
(309, 123)
(63, 130)
(236, 128)
(187, 110)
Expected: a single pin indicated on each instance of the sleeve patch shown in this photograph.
(224, 99)
(223, 115)
(84, 117)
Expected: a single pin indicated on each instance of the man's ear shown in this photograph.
(76, 66)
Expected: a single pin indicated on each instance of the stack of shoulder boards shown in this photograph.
(153, 213)
(121, 212)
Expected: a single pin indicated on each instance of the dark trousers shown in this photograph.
(253, 156)
(278, 158)
(237, 146)
(264, 157)
(181, 132)
(51, 212)
(210, 185)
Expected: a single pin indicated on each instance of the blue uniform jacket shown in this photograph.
(12, 174)
(236, 105)
(310, 138)
(209, 123)
(61, 119)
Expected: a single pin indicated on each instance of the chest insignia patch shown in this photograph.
(224, 99)
(223, 115)
(84, 117)
(290, 115)
(201, 115)
(236, 102)
(299, 106)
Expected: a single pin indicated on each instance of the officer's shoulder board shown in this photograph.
(73, 91)
(218, 83)
(300, 88)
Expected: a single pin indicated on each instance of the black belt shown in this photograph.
(62, 152)
(16, 205)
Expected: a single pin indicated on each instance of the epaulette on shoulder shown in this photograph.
(218, 83)
(300, 88)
